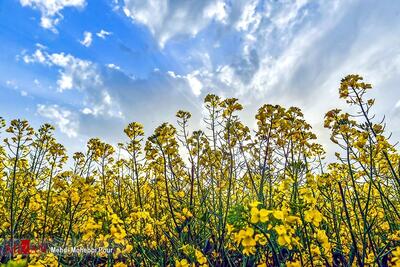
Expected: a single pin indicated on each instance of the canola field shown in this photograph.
(227, 195)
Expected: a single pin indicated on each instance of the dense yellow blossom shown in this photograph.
(227, 195)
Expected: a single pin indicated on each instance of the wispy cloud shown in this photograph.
(103, 34)
(65, 119)
(51, 10)
(175, 17)
(111, 97)
(87, 39)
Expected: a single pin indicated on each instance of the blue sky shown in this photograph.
(92, 66)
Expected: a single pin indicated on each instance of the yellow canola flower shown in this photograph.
(285, 236)
(259, 215)
(75, 197)
(115, 219)
(315, 250)
(396, 257)
(186, 212)
(280, 230)
(323, 239)
(293, 264)
(278, 214)
(313, 216)
(292, 219)
(248, 238)
(261, 239)
(395, 236)
(249, 250)
(182, 263)
(245, 237)
(230, 228)
(200, 257)
(127, 249)
(254, 204)
(118, 233)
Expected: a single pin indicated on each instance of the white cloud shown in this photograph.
(39, 45)
(287, 13)
(75, 73)
(216, 10)
(12, 84)
(106, 108)
(226, 74)
(113, 66)
(83, 76)
(175, 17)
(51, 10)
(194, 84)
(103, 34)
(38, 56)
(87, 111)
(87, 39)
(66, 120)
(249, 17)
(65, 82)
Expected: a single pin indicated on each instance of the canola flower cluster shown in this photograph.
(225, 196)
